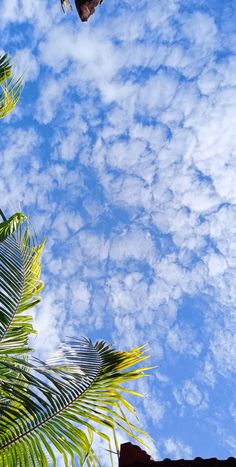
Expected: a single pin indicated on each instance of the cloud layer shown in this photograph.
(123, 152)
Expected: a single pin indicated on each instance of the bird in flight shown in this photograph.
(85, 8)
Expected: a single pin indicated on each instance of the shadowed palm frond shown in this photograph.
(10, 90)
(77, 393)
(20, 270)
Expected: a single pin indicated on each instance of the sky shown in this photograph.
(122, 151)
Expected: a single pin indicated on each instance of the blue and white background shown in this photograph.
(122, 150)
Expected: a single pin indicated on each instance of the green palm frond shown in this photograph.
(5, 68)
(9, 226)
(20, 270)
(10, 89)
(61, 404)
(84, 395)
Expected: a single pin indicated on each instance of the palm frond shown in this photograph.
(20, 270)
(57, 405)
(10, 89)
(9, 226)
(83, 395)
(5, 68)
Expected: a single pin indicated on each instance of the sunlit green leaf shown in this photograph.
(10, 89)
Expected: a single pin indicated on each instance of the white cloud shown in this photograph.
(223, 347)
(200, 29)
(175, 449)
(26, 64)
(190, 395)
(181, 339)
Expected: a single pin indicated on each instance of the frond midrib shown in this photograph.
(50, 417)
(24, 259)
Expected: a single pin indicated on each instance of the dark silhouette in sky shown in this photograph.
(133, 456)
(85, 8)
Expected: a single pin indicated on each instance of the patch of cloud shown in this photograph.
(26, 64)
(223, 347)
(181, 339)
(190, 395)
(175, 449)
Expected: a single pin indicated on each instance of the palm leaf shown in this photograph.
(9, 226)
(10, 89)
(62, 403)
(83, 395)
(5, 68)
(20, 270)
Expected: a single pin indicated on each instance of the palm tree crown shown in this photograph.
(60, 404)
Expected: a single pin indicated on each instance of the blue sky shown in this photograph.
(122, 150)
